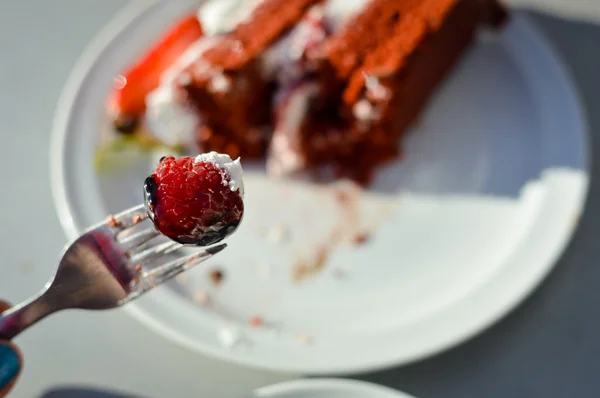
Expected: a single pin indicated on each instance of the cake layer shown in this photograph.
(385, 78)
(417, 21)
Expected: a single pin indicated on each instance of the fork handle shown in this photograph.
(18, 318)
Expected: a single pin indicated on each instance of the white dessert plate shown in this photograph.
(445, 242)
(327, 388)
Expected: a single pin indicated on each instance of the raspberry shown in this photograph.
(195, 201)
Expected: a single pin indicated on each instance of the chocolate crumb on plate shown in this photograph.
(306, 269)
(257, 321)
(361, 239)
(216, 277)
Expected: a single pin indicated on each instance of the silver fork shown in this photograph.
(106, 267)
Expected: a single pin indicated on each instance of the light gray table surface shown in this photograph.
(548, 347)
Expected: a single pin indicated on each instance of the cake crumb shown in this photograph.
(304, 270)
(112, 221)
(304, 338)
(300, 272)
(201, 297)
(342, 196)
(138, 268)
(257, 321)
(361, 239)
(216, 277)
(137, 218)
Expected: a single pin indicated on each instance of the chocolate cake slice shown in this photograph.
(232, 83)
(311, 86)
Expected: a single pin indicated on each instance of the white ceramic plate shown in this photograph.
(327, 388)
(488, 194)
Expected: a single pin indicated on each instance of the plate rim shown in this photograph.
(335, 383)
(63, 205)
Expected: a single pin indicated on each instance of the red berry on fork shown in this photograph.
(196, 201)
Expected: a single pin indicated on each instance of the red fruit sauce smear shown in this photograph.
(192, 202)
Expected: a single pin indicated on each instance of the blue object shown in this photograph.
(9, 365)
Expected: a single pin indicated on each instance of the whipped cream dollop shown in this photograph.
(338, 12)
(233, 174)
(222, 16)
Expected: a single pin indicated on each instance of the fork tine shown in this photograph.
(137, 238)
(162, 248)
(173, 268)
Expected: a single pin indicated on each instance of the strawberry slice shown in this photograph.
(128, 97)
